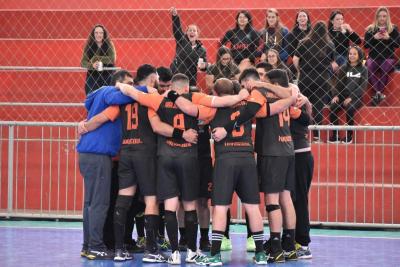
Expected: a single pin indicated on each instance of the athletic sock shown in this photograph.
(171, 223)
(151, 225)
(228, 222)
(258, 239)
(216, 240)
(191, 226)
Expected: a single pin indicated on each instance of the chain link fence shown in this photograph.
(44, 68)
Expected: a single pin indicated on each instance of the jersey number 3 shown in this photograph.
(132, 116)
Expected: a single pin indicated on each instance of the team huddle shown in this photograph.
(165, 139)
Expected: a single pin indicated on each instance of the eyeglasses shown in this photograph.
(225, 58)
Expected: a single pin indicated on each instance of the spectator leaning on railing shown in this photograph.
(381, 38)
(99, 52)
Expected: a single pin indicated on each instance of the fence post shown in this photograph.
(10, 168)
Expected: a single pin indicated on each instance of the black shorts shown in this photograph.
(178, 176)
(136, 168)
(235, 174)
(276, 173)
(206, 172)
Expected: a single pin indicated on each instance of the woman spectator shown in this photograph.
(224, 67)
(302, 27)
(313, 59)
(244, 40)
(381, 38)
(274, 59)
(190, 53)
(351, 83)
(99, 52)
(274, 35)
(341, 34)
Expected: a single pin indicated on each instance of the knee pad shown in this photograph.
(191, 216)
(122, 206)
(273, 207)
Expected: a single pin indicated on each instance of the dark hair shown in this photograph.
(223, 86)
(278, 76)
(119, 76)
(143, 72)
(180, 77)
(296, 24)
(360, 54)
(236, 87)
(331, 17)
(319, 37)
(91, 47)
(164, 73)
(249, 73)
(222, 51)
(249, 25)
(194, 89)
(264, 65)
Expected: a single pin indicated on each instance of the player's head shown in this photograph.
(279, 77)
(180, 83)
(164, 79)
(223, 86)
(236, 87)
(249, 74)
(147, 75)
(122, 76)
(262, 69)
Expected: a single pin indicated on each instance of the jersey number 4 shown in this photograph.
(284, 117)
(132, 116)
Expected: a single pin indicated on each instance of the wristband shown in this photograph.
(177, 133)
(172, 95)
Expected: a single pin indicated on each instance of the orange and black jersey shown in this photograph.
(203, 141)
(137, 133)
(299, 122)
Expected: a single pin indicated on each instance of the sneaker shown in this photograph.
(226, 244)
(84, 252)
(303, 252)
(210, 260)
(348, 139)
(205, 245)
(290, 255)
(164, 244)
(175, 258)
(317, 140)
(182, 244)
(260, 258)
(100, 254)
(154, 257)
(133, 248)
(334, 140)
(122, 255)
(277, 257)
(250, 245)
(141, 242)
(193, 256)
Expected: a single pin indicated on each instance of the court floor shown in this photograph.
(44, 243)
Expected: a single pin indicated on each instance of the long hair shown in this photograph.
(278, 26)
(222, 51)
(374, 26)
(296, 24)
(332, 17)
(319, 37)
(360, 53)
(91, 47)
(249, 25)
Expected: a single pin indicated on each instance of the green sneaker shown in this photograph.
(260, 258)
(251, 245)
(210, 260)
(226, 244)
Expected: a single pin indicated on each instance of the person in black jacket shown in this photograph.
(190, 53)
(382, 39)
(244, 40)
(341, 34)
(352, 81)
(302, 27)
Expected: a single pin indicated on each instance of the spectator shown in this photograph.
(313, 59)
(244, 40)
(165, 77)
(302, 27)
(224, 67)
(274, 35)
(341, 34)
(381, 38)
(99, 52)
(352, 81)
(190, 53)
(274, 59)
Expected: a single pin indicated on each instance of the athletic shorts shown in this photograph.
(277, 173)
(235, 174)
(178, 177)
(136, 168)
(206, 172)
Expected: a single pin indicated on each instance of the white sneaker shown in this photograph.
(193, 256)
(175, 258)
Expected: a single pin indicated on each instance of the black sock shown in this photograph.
(161, 222)
(151, 226)
(275, 238)
(258, 239)
(140, 225)
(130, 223)
(121, 209)
(216, 240)
(182, 233)
(191, 226)
(228, 223)
(288, 237)
(204, 233)
(249, 234)
(171, 223)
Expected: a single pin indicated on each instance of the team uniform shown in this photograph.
(205, 161)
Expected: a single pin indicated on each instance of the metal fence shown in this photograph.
(354, 184)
